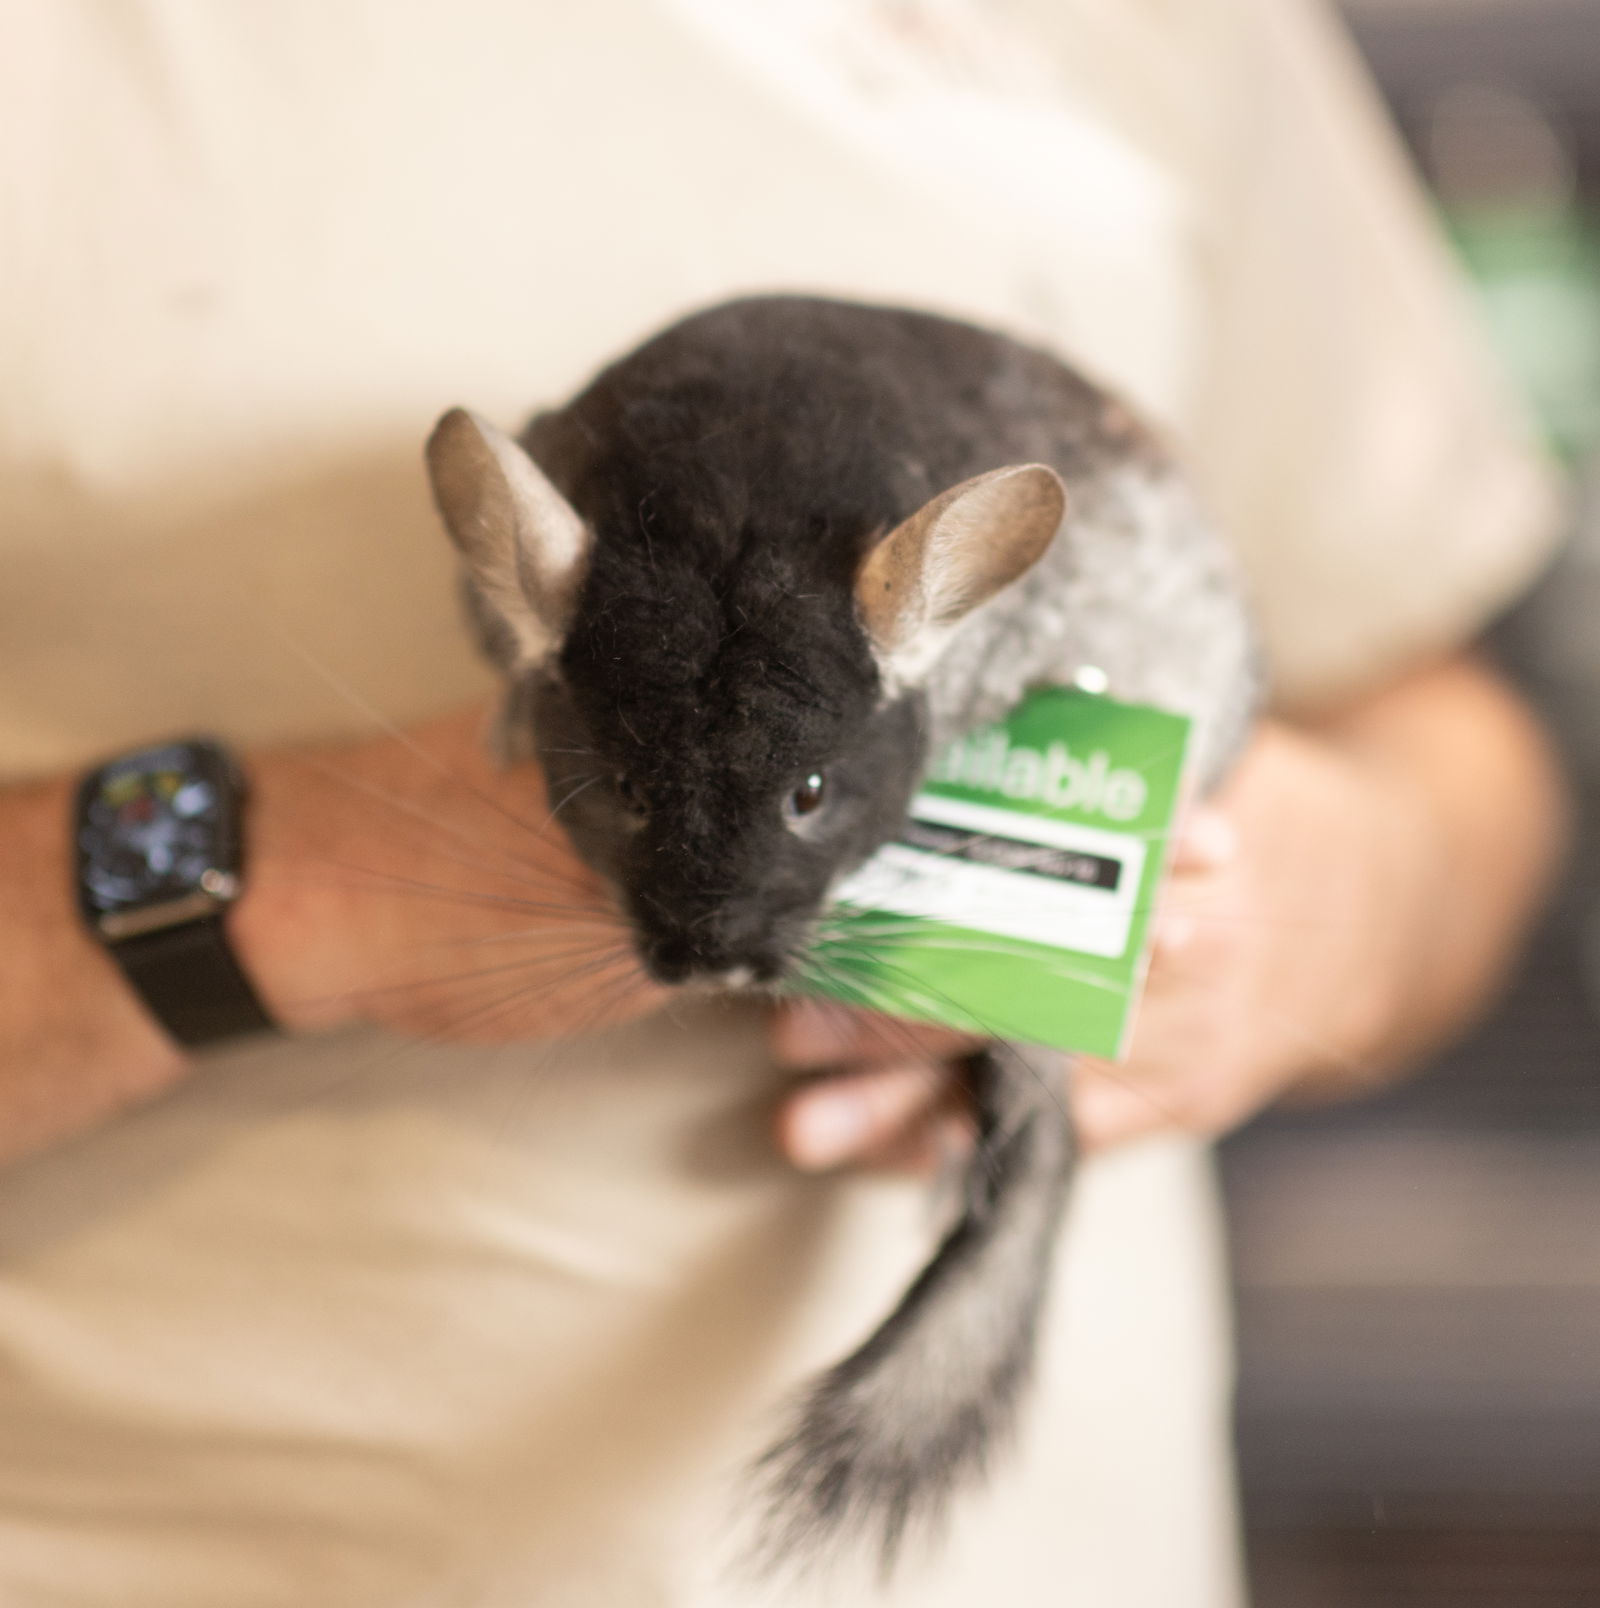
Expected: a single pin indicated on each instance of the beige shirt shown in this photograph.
(354, 1322)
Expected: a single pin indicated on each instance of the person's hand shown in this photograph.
(1298, 911)
(404, 880)
(897, 1105)
(410, 882)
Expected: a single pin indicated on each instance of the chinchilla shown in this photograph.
(740, 587)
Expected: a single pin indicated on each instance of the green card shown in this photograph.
(1016, 903)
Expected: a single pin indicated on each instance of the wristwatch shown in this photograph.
(159, 860)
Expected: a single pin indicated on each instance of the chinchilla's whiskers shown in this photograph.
(414, 887)
(478, 1011)
(582, 902)
(1062, 973)
(923, 942)
(608, 996)
(580, 787)
(525, 935)
(515, 868)
(398, 734)
(588, 968)
(418, 985)
(508, 1004)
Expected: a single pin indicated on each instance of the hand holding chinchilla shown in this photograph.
(739, 587)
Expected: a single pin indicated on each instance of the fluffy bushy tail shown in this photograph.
(882, 1439)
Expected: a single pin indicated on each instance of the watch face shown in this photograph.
(157, 826)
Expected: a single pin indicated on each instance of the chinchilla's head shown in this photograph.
(728, 720)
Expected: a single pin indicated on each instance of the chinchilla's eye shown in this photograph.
(628, 791)
(808, 796)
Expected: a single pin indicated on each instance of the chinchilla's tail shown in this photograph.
(880, 1441)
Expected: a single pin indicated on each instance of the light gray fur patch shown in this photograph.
(1140, 585)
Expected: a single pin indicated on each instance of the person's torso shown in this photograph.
(354, 1322)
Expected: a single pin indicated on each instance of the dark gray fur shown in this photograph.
(735, 471)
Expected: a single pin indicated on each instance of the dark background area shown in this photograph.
(1548, 48)
(1418, 1275)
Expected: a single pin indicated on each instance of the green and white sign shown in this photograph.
(1016, 903)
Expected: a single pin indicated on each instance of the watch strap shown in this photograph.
(190, 982)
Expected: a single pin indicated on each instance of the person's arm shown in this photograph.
(406, 882)
(75, 1046)
(1350, 902)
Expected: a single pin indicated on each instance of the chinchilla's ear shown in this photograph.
(918, 584)
(525, 547)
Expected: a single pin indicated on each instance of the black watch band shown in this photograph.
(190, 982)
(159, 840)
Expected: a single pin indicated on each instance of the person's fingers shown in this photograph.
(929, 1146)
(1109, 1107)
(858, 1115)
(1206, 847)
(1206, 841)
(810, 1033)
(1174, 932)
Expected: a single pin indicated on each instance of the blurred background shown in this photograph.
(1418, 1276)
